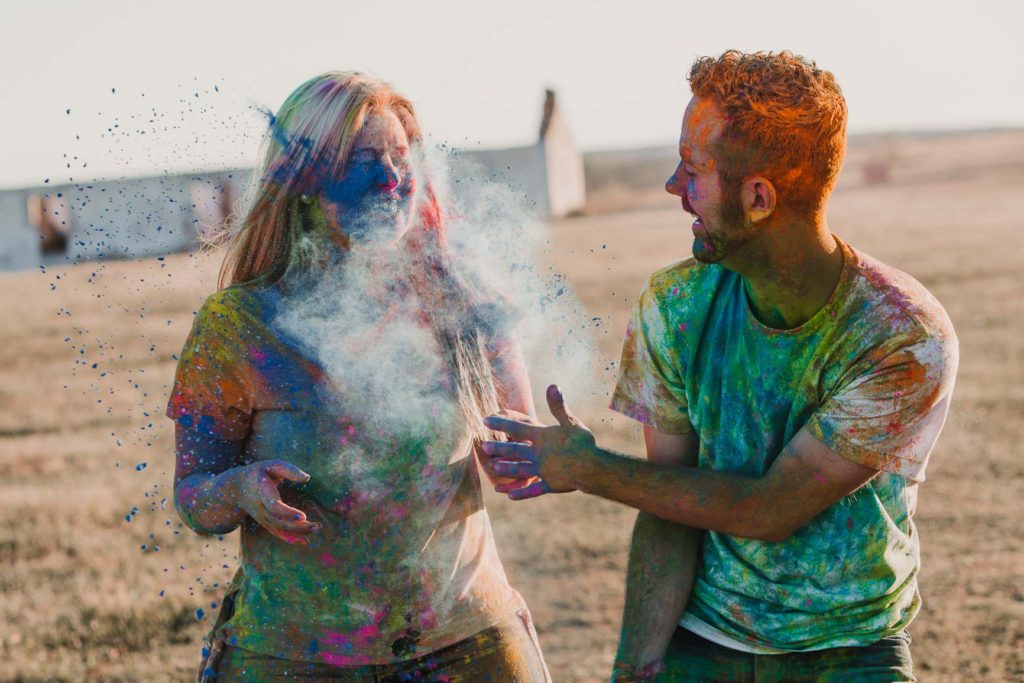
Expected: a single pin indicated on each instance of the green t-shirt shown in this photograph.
(869, 375)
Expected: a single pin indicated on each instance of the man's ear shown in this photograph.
(758, 197)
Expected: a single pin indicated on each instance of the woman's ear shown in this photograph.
(759, 198)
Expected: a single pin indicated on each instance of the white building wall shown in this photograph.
(563, 166)
(117, 219)
(521, 168)
(159, 215)
(19, 241)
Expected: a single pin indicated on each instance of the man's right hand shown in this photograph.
(256, 492)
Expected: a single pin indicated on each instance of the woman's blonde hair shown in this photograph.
(309, 140)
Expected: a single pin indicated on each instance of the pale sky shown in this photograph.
(187, 74)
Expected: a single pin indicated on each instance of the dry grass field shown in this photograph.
(99, 580)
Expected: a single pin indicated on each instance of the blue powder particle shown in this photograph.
(141, 466)
(200, 614)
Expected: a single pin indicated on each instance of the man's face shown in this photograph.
(373, 201)
(720, 226)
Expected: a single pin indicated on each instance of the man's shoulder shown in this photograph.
(683, 278)
(897, 301)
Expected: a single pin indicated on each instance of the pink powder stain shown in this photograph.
(292, 538)
(357, 641)
(820, 478)
(682, 327)
(329, 560)
(399, 511)
(257, 354)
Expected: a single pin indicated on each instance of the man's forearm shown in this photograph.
(662, 564)
(701, 498)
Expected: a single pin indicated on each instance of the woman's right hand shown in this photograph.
(257, 493)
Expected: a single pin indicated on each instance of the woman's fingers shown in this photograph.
(279, 469)
(286, 517)
(277, 524)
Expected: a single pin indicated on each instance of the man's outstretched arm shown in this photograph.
(806, 478)
(659, 576)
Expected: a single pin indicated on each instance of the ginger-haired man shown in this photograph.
(791, 389)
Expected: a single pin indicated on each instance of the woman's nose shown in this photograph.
(390, 177)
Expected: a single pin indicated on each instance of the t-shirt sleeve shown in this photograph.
(650, 387)
(889, 414)
(212, 391)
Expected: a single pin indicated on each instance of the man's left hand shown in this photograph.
(537, 450)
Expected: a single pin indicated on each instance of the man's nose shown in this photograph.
(674, 184)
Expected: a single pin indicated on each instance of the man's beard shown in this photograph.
(732, 233)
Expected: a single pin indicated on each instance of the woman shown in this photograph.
(327, 402)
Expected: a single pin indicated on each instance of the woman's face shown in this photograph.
(373, 201)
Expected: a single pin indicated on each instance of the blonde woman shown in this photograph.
(366, 553)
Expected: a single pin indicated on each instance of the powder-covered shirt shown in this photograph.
(869, 375)
(406, 562)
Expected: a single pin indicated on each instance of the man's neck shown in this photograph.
(791, 272)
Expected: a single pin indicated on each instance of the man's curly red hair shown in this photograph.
(785, 120)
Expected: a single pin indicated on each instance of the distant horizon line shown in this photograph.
(642, 148)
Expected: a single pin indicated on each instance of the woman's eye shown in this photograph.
(366, 157)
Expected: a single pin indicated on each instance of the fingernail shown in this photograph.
(488, 421)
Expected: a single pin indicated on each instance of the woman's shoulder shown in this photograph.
(238, 305)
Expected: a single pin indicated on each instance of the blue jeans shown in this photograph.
(692, 659)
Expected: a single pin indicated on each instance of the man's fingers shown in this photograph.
(517, 469)
(279, 469)
(515, 484)
(520, 431)
(516, 415)
(507, 449)
(556, 404)
(537, 488)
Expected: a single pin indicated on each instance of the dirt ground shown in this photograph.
(99, 580)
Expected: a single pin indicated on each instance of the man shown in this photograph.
(791, 390)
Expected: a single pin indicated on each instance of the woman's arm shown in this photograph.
(515, 397)
(214, 490)
(513, 383)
